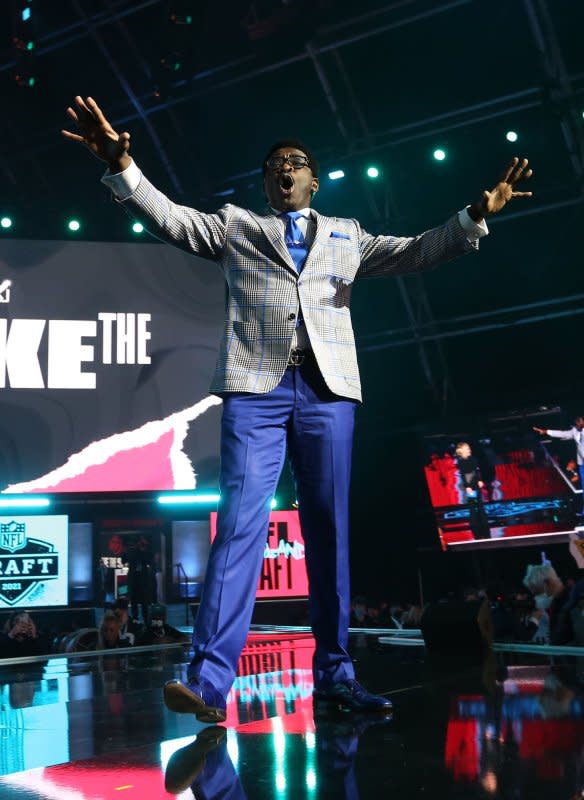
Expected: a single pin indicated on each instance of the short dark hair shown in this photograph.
(297, 145)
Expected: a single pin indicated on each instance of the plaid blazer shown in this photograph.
(265, 293)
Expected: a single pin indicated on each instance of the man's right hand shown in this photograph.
(96, 133)
(542, 431)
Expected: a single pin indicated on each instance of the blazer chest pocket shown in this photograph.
(342, 255)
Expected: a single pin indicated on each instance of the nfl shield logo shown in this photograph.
(12, 536)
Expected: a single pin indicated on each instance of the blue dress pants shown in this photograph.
(316, 427)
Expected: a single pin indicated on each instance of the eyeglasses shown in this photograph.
(296, 162)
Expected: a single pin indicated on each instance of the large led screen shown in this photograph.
(500, 481)
(106, 355)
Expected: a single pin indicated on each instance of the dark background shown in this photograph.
(373, 82)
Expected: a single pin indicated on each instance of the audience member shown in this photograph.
(20, 637)
(550, 595)
(130, 629)
(412, 617)
(159, 631)
(109, 633)
(358, 612)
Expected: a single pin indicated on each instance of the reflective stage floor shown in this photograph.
(94, 727)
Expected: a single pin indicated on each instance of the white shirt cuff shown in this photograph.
(123, 184)
(474, 230)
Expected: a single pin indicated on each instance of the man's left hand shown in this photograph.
(503, 191)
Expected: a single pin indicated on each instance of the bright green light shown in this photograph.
(30, 46)
(137, 227)
(511, 136)
(6, 222)
(31, 81)
(188, 499)
(273, 503)
(336, 174)
(439, 154)
(24, 502)
(74, 225)
(372, 172)
(311, 779)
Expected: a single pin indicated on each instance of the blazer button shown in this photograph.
(291, 316)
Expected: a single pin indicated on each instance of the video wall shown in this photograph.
(106, 355)
(501, 479)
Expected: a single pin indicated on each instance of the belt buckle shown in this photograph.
(296, 357)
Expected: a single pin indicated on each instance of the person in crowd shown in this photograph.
(576, 434)
(141, 581)
(21, 638)
(359, 612)
(130, 629)
(412, 617)
(159, 631)
(109, 633)
(288, 375)
(550, 595)
(390, 615)
(573, 473)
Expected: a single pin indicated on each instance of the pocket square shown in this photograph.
(339, 235)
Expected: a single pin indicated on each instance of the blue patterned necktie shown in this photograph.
(295, 241)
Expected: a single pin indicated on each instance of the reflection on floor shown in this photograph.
(95, 728)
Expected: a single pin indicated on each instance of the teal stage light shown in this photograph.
(372, 172)
(74, 225)
(137, 227)
(6, 222)
(511, 136)
(24, 502)
(203, 498)
(274, 503)
(439, 154)
(336, 174)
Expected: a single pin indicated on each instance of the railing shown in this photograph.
(183, 579)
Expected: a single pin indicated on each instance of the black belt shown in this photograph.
(299, 355)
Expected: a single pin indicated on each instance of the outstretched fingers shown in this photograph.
(95, 110)
(74, 137)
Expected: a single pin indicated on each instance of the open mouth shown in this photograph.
(286, 183)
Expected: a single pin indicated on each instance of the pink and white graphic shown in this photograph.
(148, 458)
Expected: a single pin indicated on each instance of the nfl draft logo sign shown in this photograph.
(33, 561)
(283, 571)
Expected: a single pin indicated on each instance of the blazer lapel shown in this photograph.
(323, 229)
(272, 229)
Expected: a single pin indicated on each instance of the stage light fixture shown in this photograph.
(372, 172)
(274, 502)
(74, 225)
(188, 499)
(24, 502)
(511, 136)
(336, 174)
(137, 227)
(439, 154)
(6, 222)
